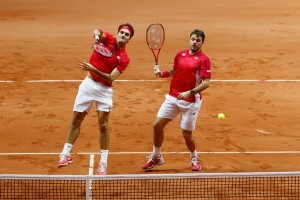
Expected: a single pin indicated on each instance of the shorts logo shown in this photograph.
(102, 50)
(108, 109)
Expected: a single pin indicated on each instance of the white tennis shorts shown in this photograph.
(91, 91)
(171, 107)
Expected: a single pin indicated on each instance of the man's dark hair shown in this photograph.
(198, 33)
(130, 26)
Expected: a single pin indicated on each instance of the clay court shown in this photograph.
(254, 49)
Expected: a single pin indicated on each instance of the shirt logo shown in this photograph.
(196, 58)
(102, 50)
(183, 54)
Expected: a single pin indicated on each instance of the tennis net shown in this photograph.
(210, 186)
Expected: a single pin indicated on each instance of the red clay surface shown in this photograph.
(246, 40)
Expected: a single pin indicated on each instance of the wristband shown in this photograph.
(165, 74)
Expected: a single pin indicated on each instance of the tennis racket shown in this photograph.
(155, 37)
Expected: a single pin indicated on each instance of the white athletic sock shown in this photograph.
(67, 149)
(193, 154)
(156, 151)
(104, 155)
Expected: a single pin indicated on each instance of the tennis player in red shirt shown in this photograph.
(108, 60)
(191, 74)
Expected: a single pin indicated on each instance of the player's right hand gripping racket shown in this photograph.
(155, 37)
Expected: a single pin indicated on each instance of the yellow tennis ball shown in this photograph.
(221, 116)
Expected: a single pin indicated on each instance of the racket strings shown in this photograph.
(155, 36)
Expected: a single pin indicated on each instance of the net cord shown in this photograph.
(88, 178)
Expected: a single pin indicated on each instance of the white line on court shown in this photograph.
(91, 171)
(91, 168)
(245, 80)
(129, 153)
(62, 81)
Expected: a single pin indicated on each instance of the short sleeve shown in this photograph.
(123, 61)
(205, 71)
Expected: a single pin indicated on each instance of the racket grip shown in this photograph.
(156, 68)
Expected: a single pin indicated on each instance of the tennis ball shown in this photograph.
(221, 116)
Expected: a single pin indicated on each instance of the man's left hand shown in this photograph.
(86, 66)
(184, 95)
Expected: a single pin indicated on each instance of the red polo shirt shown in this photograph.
(190, 70)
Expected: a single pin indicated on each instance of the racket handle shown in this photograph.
(156, 68)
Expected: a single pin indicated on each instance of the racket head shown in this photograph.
(155, 36)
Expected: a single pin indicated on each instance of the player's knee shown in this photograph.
(103, 127)
(77, 119)
(187, 135)
(157, 125)
(160, 123)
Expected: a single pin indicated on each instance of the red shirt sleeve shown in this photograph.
(123, 61)
(205, 71)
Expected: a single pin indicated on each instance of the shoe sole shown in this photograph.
(149, 168)
(70, 162)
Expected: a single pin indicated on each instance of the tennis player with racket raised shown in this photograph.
(190, 74)
(108, 60)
